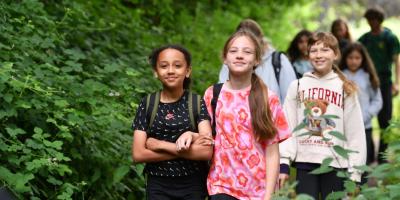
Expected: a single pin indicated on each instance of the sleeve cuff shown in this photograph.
(284, 169)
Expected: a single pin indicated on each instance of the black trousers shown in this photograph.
(176, 188)
(222, 197)
(384, 116)
(316, 185)
(370, 146)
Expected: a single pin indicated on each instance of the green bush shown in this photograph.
(73, 72)
(70, 81)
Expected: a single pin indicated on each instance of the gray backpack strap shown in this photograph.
(276, 63)
(194, 109)
(152, 101)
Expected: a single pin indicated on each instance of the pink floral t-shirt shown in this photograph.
(238, 166)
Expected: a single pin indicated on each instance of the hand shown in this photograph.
(282, 178)
(153, 144)
(395, 89)
(204, 140)
(184, 141)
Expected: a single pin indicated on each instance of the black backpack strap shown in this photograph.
(194, 109)
(152, 101)
(276, 63)
(216, 90)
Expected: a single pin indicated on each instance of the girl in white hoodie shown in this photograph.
(325, 102)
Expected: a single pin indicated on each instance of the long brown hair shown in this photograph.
(329, 40)
(366, 64)
(293, 51)
(261, 115)
(335, 26)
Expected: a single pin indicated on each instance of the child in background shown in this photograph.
(340, 30)
(383, 47)
(358, 67)
(298, 53)
(249, 125)
(323, 92)
(175, 167)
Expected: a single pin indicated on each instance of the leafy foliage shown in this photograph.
(68, 90)
(72, 74)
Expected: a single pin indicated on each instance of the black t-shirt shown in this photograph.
(171, 120)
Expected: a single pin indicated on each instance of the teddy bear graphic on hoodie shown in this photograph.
(315, 120)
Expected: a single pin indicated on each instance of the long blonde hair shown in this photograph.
(330, 41)
(261, 115)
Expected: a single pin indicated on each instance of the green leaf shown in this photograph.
(119, 173)
(350, 186)
(133, 73)
(330, 116)
(23, 104)
(338, 135)
(8, 97)
(61, 103)
(327, 161)
(74, 65)
(75, 54)
(324, 168)
(54, 181)
(20, 182)
(321, 170)
(343, 152)
(336, 195)
(113, 67)
(394, 191)
(304, 197)
(38, 130)
(8, 66)
(15, 131)
(17, 180)
(307, 112)
(381, 171)
(56, 144)
(343, 174)
(299, 127)
(139, 169)
(308, 133)
(364, 168)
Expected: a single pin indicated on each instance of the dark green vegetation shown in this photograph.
(72, 74)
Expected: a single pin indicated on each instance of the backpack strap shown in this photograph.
(276, 63)
(216, 90)
(194, 109)
(152, 101)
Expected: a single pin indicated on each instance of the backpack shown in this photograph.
(216, 90)
(276, 63)
(152, 101)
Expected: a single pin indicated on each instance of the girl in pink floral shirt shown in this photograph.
(249, 125)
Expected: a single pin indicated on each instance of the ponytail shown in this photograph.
(261, 116)
(348, 86)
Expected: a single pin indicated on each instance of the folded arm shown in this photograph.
(190, 145)
(140, 153)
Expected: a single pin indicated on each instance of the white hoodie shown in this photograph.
(327, 94)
